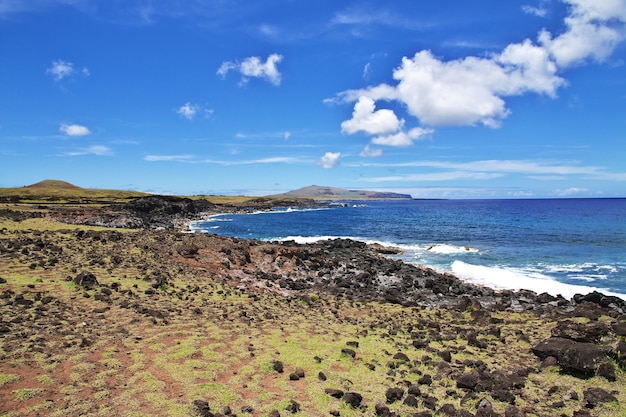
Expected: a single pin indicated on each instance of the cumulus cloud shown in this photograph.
(330, 160)
(402, 138)
(74, 130)
(472, 90)
(367, 119)
(60, 69)
(253, 67)
(467, 91)
(594, 29)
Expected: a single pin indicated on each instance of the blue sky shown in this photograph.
(453, 99)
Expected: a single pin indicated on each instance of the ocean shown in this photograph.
(559, 246)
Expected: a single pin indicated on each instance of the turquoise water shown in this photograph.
(562, 246)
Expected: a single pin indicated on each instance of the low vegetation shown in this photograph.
(101, 322)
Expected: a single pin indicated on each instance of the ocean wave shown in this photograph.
(307, 239)
(581, 267)
(287, 210)
(448, 249)
(518, 279)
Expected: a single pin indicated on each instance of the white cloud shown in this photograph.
(190, 111)
(469, 90)
(330, 160)
(287, 135)
(570, 191)
(367, 119)
(74, 130)
(97, 150)
(536, 11)
(371, 152)
(539, 170)
(193, 159)
(594, 29)
(402, 138)
(62, 69)
(436, 176)
(472, 90)
(254, 67)
(187, 110)
(160, 158)
(506, 166)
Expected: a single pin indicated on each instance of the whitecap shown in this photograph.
(448, 249)
(518, 279)
(308, 239)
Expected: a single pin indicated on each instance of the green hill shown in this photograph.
(62, 185)
(62, 192)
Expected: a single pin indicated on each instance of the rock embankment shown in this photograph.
(164, 212)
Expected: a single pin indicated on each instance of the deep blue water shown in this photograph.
(561, 246)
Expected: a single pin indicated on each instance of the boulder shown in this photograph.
(595, 396)
(411, 401)
(484, 408)
(278, 366)
(348, 352)
(333, 392)
(573, 357)
(201, 408)
(382, 410)
(401, 357)
(293, 407)
(86, 279)
(588, 333)
(394, 394)
(607, 371)
(353, 398)
(468, 381)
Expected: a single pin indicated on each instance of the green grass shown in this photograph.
(8, 378)
(46, 379)
(25, 394)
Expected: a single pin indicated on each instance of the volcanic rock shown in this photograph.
(595, 396)
(353, 398)
(573, 357)
(86, 279)
(394, 394)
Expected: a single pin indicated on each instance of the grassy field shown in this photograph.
(126, 348)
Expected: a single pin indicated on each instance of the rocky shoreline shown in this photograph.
(584, 337)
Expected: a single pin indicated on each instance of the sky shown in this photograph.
(450, 99)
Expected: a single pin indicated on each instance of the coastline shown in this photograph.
(151, 303)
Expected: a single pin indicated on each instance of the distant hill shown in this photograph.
(63, 192)
(62, 185)
(332, 193)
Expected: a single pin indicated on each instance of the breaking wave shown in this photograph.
(518, 279)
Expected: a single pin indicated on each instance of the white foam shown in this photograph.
(448, 249)
(287, 210)
(309, 239)
(516, 279)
